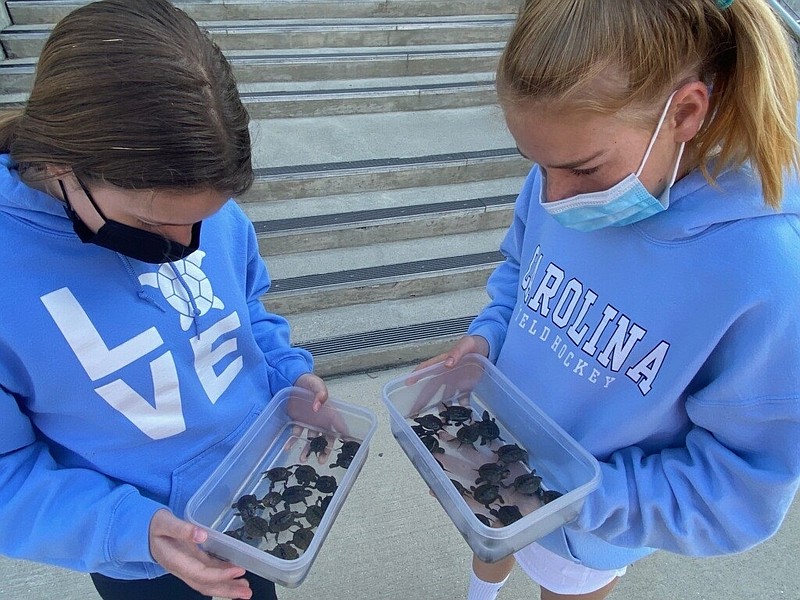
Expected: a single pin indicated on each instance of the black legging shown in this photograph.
(168, 587)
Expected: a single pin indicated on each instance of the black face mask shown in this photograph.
(139, 244)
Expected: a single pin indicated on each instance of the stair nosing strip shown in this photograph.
(361, 217)
(366, 274)
(388, 337)
(256, 96)
(379, 164)
(280, 25)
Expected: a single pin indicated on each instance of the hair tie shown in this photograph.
(723, 4)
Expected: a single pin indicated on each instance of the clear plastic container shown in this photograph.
(556, 457)
(280, 438)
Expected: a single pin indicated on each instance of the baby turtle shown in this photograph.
(342, 460)
(483, 519)
(317, 446)
(295, 494)
(431, 444)
(325, 502)
(511, 453)
(255, 527)
(459, 488)
(302, 538)
(349, 448)
(548, 496)
(488, 429)
(271, 499)
(305, 474)
(326, 484)
(493, 473)
(314, 514)
(285, 551)
(486, 494)
(430, 423)
(468, 434)
(236, 534)
(283, 520)
(420, 430)
(455, 414)
(507, 514)
(246, 506)
(527, 484)
(277, 474)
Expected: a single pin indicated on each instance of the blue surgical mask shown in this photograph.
(625, 203)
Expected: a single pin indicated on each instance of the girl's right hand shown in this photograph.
(174, 545)
(469, 344)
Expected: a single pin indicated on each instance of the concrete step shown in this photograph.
(325, 98)
(319, 64)
(406, 269)
(27, 40)
(322, 179)
(310, 99)
(324, 156)
(50, 11)
(325, 232)
(374, 335)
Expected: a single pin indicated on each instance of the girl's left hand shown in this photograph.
(316, 386)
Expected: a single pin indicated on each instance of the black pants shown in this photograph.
(168, 587)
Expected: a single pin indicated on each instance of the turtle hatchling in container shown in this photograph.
(270, 504)
(505, 473)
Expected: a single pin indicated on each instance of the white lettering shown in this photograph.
(161, 421)
(577, 335)
(540, 301)
(620, 345)
(97, 359)
(646, 370)
(609, 312)
(572, 293)
(578, 370)
(205, 356)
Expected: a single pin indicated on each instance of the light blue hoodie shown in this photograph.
(117, 395)
(670, 349)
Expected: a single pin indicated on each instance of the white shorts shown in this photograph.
(560, 575)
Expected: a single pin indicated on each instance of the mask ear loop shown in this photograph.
(655, 135)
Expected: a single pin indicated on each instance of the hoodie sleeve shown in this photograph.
(72, 518)
(285, 363)
(732, 482)
(503, 284)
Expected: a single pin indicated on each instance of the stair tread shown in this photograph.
(337, 23)
(335, 204)
(350, 320)
(303, 264)
(315, 140)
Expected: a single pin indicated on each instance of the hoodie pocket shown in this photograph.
(188, 477)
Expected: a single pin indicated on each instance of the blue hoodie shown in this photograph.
(670, 349)
(118, 392)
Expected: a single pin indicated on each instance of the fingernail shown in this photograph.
(449, 362)
(199, 536)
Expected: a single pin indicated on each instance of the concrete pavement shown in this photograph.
(392, 541)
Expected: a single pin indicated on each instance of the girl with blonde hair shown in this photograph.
(648, 298)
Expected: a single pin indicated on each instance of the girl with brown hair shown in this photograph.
(134, 347)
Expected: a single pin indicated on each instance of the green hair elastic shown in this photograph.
(723, 4)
